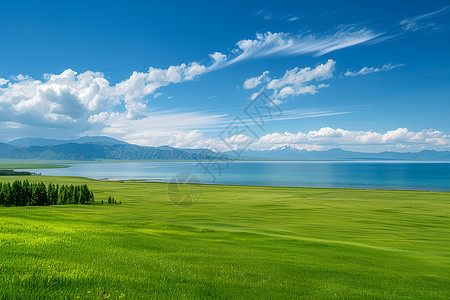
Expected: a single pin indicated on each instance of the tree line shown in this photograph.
(37, 194)
(15, 173)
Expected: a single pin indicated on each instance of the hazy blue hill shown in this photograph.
(194, 151)
(9, 151)
(287, 153)
(91, 151)
(27, 142)
(98, 140)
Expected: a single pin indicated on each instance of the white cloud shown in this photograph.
(61, 99)
(218, 60)
(12, 125)
(157, 128)
(325, 138)
(100, 117)
(253, 82)
(294, 82)
(178, 139)
(20, 77)
(291, 19)
(419, 22)
(298, 76)
(284, 44)
(368, 70)
(70, 97)
(141, 84)
(400, 139)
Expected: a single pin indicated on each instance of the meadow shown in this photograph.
(29, 165)
(234, 242)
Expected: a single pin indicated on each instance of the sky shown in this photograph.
(337, 74)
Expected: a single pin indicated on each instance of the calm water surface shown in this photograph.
(339, 174)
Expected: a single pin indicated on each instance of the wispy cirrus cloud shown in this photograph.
(422, 21)
(285, 44)
(368, 70)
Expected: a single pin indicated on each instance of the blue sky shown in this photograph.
(360, 76)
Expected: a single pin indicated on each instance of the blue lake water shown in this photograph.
(336, 174)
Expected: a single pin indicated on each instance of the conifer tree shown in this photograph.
(2, 195)
(7, 194)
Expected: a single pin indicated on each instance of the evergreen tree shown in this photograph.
(70, 194)
(23, 193)
(84, 194)
(76, 195)
(40, 194)
(6, 188)
(55, 195)
(50, 193)
(62, 195)
(91, 197)
(16, 193)
(27, 192)
(2, 195)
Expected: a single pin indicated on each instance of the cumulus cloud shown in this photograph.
(368, 70)
(400, 139)
(218, 60)
(253, 82)
(294, 82)
(141, 84)
(70, 97)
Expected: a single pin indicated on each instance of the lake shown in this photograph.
(337, 174)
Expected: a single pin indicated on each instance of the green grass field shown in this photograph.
(29, 165)
(235, 242)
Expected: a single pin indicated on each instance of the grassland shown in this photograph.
(29, 165)
(235, 242)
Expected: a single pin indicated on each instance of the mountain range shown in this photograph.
(27, 142)
(102, 147)
(92, 148)
(289, 153)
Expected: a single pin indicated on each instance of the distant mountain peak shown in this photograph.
(27, 142)
(286, 148)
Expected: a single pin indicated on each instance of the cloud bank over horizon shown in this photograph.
(400, 139)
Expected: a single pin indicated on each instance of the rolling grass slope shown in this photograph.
(235, 242)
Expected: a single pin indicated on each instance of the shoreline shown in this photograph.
(160, 181)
